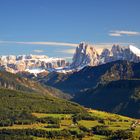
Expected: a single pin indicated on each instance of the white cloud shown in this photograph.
(41, 43)
(98, 46)
(121, 33)
(114, 34)
(38, 51)
(64, 44)
(69, 51)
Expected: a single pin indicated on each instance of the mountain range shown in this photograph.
(30, 63)
(90, 76)
(85, 55)
(108, 81)
(37, 101)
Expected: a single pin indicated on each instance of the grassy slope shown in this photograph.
(11, 100)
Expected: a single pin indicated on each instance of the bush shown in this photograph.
(121, 135)
(6, 122)
(83, 116)
(101, 130)
(83, 128)
(101, 121)
(49, 120)
(15, 137)
(53, 126)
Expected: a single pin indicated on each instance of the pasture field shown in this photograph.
(83, 128)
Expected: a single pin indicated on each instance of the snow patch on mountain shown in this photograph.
(135, 50)
(35, 71)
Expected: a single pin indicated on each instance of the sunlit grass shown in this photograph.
(106, 115)
(111, 121)
(42, 115)
(88, 123)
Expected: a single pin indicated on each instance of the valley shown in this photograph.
(30, 110)
(112, 87)
(69, 70)
(61, 104)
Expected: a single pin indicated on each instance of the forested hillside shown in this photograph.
(112, 87)
(17, 82)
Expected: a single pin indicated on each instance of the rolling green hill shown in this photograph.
(12, 100)
(16, 107)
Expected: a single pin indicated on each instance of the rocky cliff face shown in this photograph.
(20, 63)
(130, 53)
(85, 54)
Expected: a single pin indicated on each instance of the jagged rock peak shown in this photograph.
(117, 52)
(85, 54)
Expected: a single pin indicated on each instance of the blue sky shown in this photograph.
(26, 23)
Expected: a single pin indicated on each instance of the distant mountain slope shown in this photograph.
(16, 82)
(122, 97)
(32, 63)
(90, 77)
(113, 87)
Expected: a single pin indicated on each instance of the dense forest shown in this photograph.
(15, 104)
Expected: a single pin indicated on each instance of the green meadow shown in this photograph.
(97, 126)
